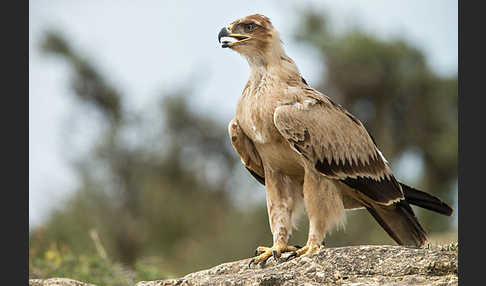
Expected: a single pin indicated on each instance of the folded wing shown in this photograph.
(337, 145)
(246, 150)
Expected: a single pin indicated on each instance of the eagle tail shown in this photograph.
(400, 223)
(425, 200)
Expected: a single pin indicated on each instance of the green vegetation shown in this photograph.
(60, 261)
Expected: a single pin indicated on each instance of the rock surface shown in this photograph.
(57, 282)
(355, 265)
(352, 265)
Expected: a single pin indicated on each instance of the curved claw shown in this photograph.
(263, 262)
(251, 261)
(292, 255)
(274, 254)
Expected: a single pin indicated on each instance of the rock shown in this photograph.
(353, 265)
(57, 282)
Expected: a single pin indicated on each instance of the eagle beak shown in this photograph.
(228, 39)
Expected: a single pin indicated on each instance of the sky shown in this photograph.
(150, 47)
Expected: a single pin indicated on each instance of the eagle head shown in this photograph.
(252, 36)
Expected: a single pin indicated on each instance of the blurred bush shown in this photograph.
(159, 186)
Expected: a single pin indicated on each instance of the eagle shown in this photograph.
(307, 150)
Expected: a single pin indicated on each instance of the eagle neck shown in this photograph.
(267, 57)
(275, 65)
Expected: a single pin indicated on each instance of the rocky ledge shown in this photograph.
(352, 265)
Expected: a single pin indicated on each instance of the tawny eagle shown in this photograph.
(307, 149)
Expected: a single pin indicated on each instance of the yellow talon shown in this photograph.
(264, 253)
(308, 250)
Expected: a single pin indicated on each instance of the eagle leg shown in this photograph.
(325, 210)
(283, 198)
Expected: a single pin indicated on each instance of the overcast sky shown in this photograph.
(147, 47)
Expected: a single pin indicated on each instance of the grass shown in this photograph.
(89, 268)
(453, 246)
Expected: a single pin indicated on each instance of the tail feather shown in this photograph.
(425, 200)
(400, 223)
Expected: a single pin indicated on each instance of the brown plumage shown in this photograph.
(306, 149)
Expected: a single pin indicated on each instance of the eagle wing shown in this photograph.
(246, 150)
(337, 145)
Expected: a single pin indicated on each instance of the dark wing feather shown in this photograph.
(399, 221)
(260, 179)
(425, 200)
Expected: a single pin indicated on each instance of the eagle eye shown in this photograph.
(249, 27)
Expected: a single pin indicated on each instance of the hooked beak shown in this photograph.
(228, 39)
